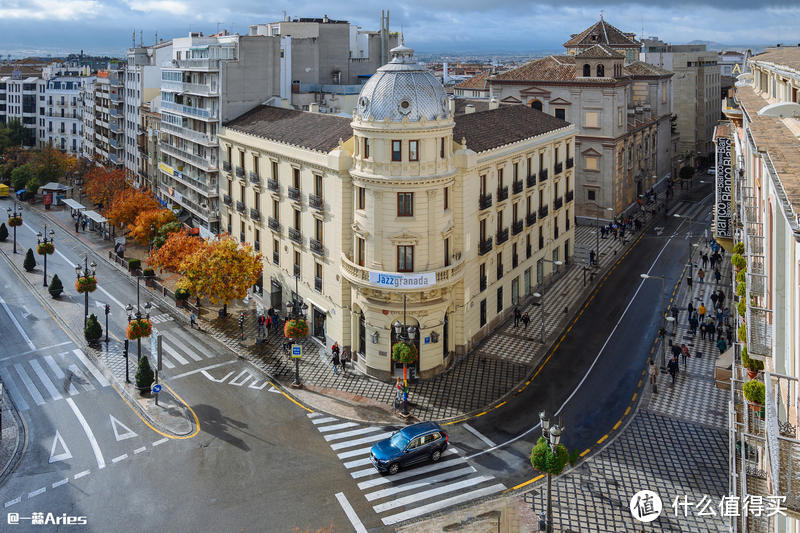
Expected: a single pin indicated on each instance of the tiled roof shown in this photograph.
(475, 82)
(602, 33)
(550, 68)
(315, 131)
(480, 104)
(599, 51)
(773, 136)
(640, 68)
(491, 129)
(788, 56)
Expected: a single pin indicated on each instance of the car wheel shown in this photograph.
(436, 456)
(393, 469)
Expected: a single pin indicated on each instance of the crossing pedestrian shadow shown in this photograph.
(213, 422)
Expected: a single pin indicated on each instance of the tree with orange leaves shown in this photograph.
(127, 204)
(147, 223)
(221, 272)
(101, 185)
(175, 250)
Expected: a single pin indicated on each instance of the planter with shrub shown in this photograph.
(30, 263)
(144, 376)
(134, 264)
(86, 284)
(56, 287)
(754, 393)
(93, 331)
(139, 328)
(14, 222)
(45, 248)
(181, 295)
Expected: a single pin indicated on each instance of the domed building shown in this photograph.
(405, 219)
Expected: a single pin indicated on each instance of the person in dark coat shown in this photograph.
(672, 368)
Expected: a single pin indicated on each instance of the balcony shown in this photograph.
(485, 246)
(543, 174)
(759, 332)
(570, 162)
(315, 202)
(316, 246)
(201, 89)
(114, 159)
(517, 186)
(273, 224)
(558, 203)
(516, 227)
(239, 172)
(190, 134)
(359, 275)
(318, 284)
(272, 185)
(294, 193)
(570, 196)
(297, 271)
(530, 181)
(255, 214)
(197, 64)
(530, 219)
(485, 201)
(189, 110)
(502, 193)
(193, 159)
(254, 179)
(226, 199)
(226, 166)
(756, 276)
(276, 258)
(114, 128)
(559, 167)
(295, 235)
(543, 211)
(240, 206)
(502, 236)
(500, 271)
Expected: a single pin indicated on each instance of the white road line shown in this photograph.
(382, 480)
(54, 366)
(80, 474)
(212, 378)
(441, 504)
(350, 512)
(188, 339)
(87, 385)
(236, 382)
(364, 440)
(478, 434)
(314, 415)
(325, 420)
(254, 384)
(26, 380)
(14, 501)
(36, 492)
(16, 325)
(198, 370)
(354, 453)
(160, 441)
(43, 348)
(9, 382)
(405, 487)
(139, 450)
(175, 355)
(432, 493)
(101, 463)
(101, 379)
(352, 433)
(357, 462)
(186, 350)
(112, 298)
(44, 379)
(334, 427)
(120, 458)
(59, 483)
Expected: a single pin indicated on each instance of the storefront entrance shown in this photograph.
(318, 322)
(275, 295)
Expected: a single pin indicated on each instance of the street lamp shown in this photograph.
(553, 436)
(16, 213)
(138, 315)
(540, 300)
(405, 334)
(44, 240)
(296, 310)
(597, 228)
(661, 311)
(152, 237)
(85, 275)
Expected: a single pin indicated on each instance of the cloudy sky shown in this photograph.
(105, 26)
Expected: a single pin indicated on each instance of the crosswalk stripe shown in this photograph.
(184, 336)
(382, 480)
(87, 385)
(352, 433)
(26, 380)
(427, 494)
(325, 420)
(175, 355)
(354, 453)
(101, 379)
(9, 382)
(44, 379)
(59, 373)
(357, 462)
(378, 494)
(334, 427)
(441, 504)
(364, 440)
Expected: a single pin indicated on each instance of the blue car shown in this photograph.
(412, 444)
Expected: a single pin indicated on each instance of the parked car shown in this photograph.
(425, 441)
(711, 171)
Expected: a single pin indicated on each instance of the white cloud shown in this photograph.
(49, 9)
(174, 7)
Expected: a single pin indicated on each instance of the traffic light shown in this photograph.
(108, 309)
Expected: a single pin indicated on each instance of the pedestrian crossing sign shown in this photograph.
(297, 351)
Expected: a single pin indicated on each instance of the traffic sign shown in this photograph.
(297, 351)
(156, 388)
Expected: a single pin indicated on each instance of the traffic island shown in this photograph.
(13, 437)
(170, 415)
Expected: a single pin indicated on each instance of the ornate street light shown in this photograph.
(16, 216)
(85, 274)
(43, 240)
(407, 335)
(552, 434)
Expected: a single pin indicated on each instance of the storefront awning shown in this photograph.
(69, 202)
(97, 217)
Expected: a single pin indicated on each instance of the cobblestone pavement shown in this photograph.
(9, 437)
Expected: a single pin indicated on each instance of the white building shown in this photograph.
(24, 101)
(103, 118)
(63, 123)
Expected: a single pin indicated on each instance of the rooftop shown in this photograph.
(600, 51)
(478, 82)
(788, 56)
(486, 130)
(602, 33)
(563, 68)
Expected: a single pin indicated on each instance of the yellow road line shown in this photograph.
(635, 394)
(604, 437)
(525, 483)
(618, 424)
(639, 384)
(627, 411)
(500, 404)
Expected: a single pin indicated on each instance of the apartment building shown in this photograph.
(62, 120)
(24, 100)
(104, 117)
(148, 145)
(759, 156)
(404, 212)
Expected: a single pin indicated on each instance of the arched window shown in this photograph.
(537, 105)
(587, 71)
(601, 71)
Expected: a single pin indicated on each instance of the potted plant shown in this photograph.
(738, 248)
(93, 331)
(753, 366)
(295, 328)
(86, 284)
(14, 221)
(3, 232)
(45, 248)
(754, 393)
(134, 264)
(742, 333)
(30, 263)
(741, 275)
(741, 289)
(144, 376)
(56, 287)
(741, 307)
(139, 328)
(181, 295)
(738, 261)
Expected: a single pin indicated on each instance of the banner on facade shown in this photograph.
(421, 280)
(722, 207)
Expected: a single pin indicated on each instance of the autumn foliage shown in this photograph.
(175, 250)
(101, 185)
(140, 229)
(127, 204)
(221, 271)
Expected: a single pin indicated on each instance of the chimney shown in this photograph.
(313, 107)
(469, 108)
(325, 19)
(493, 103)
(444, 73)
(451, 105)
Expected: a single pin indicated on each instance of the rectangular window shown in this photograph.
(318, 229)
(591, 119)
(405, 258)
(516, 171)
(276, 251)
(361, 198)
(318, 185)
(499, 299)
(561, 113)
(241, 159)
(555, 155)
(275, 170)
(447, 252)
(590, 195)
(405, 204)
(296, 178)
(413, 147)
(360, 245)
(483, 313)
(591, 163)
(483, 184)
(296, 263)
(275, 210)
(255, 164)
(441, 148)
(366, 148)
(318, 276)
(446, 198)
(296, 219)
(229, 154)
(499, 178)
(397, 151)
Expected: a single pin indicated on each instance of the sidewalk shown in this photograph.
(13, 437)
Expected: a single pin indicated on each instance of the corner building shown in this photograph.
(405, 209)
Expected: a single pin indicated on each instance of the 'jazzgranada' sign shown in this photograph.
(421, 280)
(723, 203)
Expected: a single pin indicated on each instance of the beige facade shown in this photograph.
(415, 215)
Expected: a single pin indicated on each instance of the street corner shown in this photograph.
(161, 409)
(347, 406)
(13, 435)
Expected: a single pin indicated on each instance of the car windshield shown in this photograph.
(399, 441)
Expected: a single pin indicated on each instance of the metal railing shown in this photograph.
(318, 284)
(543, 211)
(254, 178)
(559, 167)
(294, 193)
(189, 134)
(272, 185)
(485, 201)
(255, 214)
(517, 186)
(295, 235)
(226, 166)
(189, 110)
(240, 206)
(316, 246)
(570, 162)
(485, 246)
(502, 193)
(273, 224)
(226, 199)
(315, 201)
(759, 331)
(543, 174)
(193, 159)
(516, 227)
(530, 219)
(502, 235)
(530, 181)
(570, 196)
(558, 203)
(239, 171)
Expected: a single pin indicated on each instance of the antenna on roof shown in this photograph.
(601, 15)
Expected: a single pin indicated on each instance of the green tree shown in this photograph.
(144, 374)
(93, 331)
(16, 132)
(5, 168)
(56, 287)
(686, 173)
(33, 185)
(162, 234)
(20, 177)
(544, 460)
(30, 262)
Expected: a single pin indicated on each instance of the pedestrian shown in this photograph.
(704, 259)
(689, 282)
(675, 348)
(675, 312)
(701, 311)
(690, 308)
(526, 319)
(591, 257)
(335, 358)
(720, 297)
(717, 275)
(268, 323)
(703, 330)
(684, 354)
(701, 274)
(652, 371)
(517, 316)
(277, 321)
(711, 329)
(83, 224)
(729, 335)
(345, 359)
(77, 223)
(721, 346)
(672, 368)
(725, 315)
(693, 325)
(192, 320)
(714, 299)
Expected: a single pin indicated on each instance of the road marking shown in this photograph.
(371, 438)
(80, 474)
(313, 415)
(26, 380)
(425, 495)
(14, 501)
(16, 325)
(354, 453)
(480, 435)
(254, 385)
(357, 462)
(441, 504)
(160, 441)
(87, 385)
(63, 456)
(175, 355)
(101, 463)
(59, 373)
(236, 383)
(604, 437)
(116, 424)
(210, 377)
(378, 494)
(9, 382)
(109, 295)
(36, 492)
(350, 512)
(122, 457)
(43, 348)
(59, 483)
(351, 433)
(188, 339)
(198, 370)
(333, 427)
(584, 452)
(628, 410)
(139, 450)
(382, 480)
(618, 424)
(44, 379)
(325, 420)
(101, 379)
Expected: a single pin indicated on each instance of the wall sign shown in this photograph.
(722, 207)
(395, 280)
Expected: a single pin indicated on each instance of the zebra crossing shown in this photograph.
(178, 349)
(39, 380)
(409, 493)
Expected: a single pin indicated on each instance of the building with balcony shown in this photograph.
(63, 121)
(103, 117)
(406, 211)
(621, 107)
(22, 98)
(761, 155)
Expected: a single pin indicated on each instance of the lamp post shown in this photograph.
(85, 274)
(540, 300)
(138, 315)
(152, 237)
(553, 436)
(40, 239)
(406, 334)
(296, 310)
(597, 229)
(16, 212)
(690, 243)
(661, 311)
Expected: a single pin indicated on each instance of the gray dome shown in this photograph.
(401, 89)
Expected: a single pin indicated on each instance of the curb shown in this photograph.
(21, 444)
